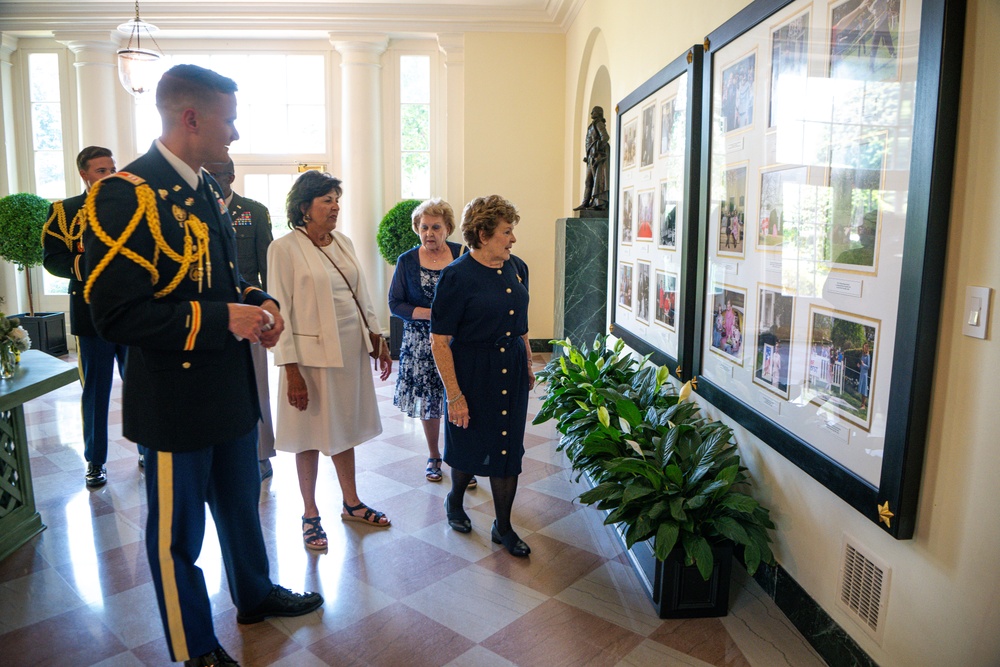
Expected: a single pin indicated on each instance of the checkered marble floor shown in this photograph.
(415, 594)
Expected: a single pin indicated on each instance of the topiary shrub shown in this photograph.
(22, 217)
(395, 232)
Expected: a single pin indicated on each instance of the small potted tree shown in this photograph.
(395, 236)
(670, 480)
(22, 218)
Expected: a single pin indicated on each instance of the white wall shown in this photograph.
(514, 115)
(944, 606)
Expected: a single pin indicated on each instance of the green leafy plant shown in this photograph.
(22, 218)
(395, 233)
(663, 471)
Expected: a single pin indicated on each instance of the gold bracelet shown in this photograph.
(452, 400)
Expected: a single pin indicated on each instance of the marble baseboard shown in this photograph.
(836, 647)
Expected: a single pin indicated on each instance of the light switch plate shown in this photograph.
(976, 311)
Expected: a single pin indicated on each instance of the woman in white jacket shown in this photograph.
(329, 391)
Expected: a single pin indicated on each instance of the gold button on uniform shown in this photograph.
(504, 452)
(508, 290)
(503, 349)
(508, 333)
(186, 364)
(503, 433)
(503, 412)
(504, 392)
(510, 312)
(500, 271)
(504, 370)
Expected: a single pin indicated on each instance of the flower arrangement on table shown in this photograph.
(13, 341)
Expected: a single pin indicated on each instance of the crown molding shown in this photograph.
(311, 19)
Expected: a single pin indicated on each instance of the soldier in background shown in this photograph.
(62, 243)
(252, 224)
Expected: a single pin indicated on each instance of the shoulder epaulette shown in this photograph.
(128, 176)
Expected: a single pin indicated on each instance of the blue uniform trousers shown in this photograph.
(178, 484)
(96, 359)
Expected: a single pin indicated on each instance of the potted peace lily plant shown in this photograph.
(669, 479)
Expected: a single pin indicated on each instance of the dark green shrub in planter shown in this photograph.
(663, 472)
(22, 218)
(395, 232)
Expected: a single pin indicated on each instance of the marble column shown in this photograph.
(361, 155)
(96, 85)
(581, 278)
(452, 100)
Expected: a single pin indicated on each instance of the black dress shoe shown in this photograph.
(96, 475)
(282, 602)
(515, 545)
(459, 520)
(216, 658)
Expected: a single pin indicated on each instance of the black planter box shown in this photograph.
(680, 592)
(395, 336)
(47, 332)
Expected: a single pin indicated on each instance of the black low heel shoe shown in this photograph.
(515, 545)
(459, 520)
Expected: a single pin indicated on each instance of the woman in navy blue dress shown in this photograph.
(479, 338)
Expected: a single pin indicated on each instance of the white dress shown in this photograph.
(343, 409)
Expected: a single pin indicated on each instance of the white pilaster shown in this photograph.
(361, 155)
(8, 164)
(452, 100)
(96, 85)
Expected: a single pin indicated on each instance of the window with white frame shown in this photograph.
(415, 126)
(46, 125)
(281, 102)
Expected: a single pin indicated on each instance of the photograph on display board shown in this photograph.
(628, 144)
(625, 285)
(865, 40)
(785, 199)
(645, 207)
(841, 364)
(626, 217)
(668, 219)
(732, 212)
(738, 83)
(648, 135)
(642, 269)
(728, 323)
(666, 300)
(670, 118)
(855, 219)
(775, 315)
(789, 65)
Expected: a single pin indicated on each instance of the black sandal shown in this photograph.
(433, 472)
(472, 483)
(459, 520)
(371, 517)
(515, 545)
(314, 534)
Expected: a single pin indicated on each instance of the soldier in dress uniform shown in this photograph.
(160, 258)
(252, 225)
(62, 243)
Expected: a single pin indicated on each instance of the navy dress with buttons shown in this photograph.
(485, 311)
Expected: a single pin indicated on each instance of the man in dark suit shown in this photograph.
(252, 225)
(160, 258)
(62, 243)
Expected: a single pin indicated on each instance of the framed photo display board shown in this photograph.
(824, 196)
(656, 213)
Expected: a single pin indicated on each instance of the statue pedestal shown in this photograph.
(581, 277)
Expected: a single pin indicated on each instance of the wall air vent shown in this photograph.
(864, 588)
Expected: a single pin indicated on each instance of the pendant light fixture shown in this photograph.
(138, 65)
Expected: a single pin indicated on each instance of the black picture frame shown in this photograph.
(892, 502)
(642, 98)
